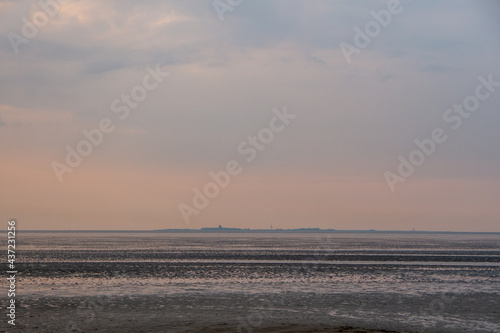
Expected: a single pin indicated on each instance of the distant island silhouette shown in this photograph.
(221, 229)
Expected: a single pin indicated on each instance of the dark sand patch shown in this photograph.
(181, 313)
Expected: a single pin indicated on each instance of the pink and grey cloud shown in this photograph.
(326, 170)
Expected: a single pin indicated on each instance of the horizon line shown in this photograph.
(248, 230)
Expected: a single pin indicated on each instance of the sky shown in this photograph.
(123, 114)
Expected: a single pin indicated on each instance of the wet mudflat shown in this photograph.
(259, 283)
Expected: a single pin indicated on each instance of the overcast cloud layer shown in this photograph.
(326, 169)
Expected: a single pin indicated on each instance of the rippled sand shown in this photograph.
(186, 313)
(235, 283)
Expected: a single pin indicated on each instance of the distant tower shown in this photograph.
(220, 227)
(271, 226)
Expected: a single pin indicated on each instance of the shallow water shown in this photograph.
(451, 282)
